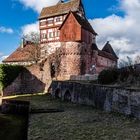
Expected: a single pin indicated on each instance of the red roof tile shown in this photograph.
(107, 55)
(60, 9)
(22, 54)
(108, 48)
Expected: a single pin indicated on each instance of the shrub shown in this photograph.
(108, 76)
(124, 74)
(8, 73)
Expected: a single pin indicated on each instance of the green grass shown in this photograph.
(12, 127)
(78, 122)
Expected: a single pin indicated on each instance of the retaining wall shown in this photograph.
(110, 99)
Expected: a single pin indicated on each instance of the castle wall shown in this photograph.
(73, 59)
(49, 48)
(105, 63)
(76, 58)
(110, 99)
(35, 79)
(70, 60)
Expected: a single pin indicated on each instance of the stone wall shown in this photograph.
(77, 58)
(35, 79)
(71, 59)
(110, 99)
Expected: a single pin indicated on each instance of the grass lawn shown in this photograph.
(78, 122)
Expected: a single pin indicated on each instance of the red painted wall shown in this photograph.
(86, 36)
(71, 30)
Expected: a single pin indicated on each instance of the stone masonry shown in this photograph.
(110, 99)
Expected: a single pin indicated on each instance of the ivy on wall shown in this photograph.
(8, 73)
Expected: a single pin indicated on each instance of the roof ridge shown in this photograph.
(108, 48)
(59, 8)
(59, 4)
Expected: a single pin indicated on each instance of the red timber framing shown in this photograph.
(52, 26)
(48, 38)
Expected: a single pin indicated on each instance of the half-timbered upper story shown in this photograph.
(52, 18)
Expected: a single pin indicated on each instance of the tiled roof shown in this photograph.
(82, 21)
(107, 55)
(108, 48)
(60, 9)
(22, 54)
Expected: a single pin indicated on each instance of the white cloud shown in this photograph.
(34, 27)
(122, 32)
(2, 57)
(6, 30)
(37, 5)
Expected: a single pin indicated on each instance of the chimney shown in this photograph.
(23, 43)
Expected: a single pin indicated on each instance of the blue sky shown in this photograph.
(108, 18)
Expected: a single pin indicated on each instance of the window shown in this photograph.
(44, 36)
(50, 21)
(58, 19)
(51, 35)
(43, 23)
(57, 34)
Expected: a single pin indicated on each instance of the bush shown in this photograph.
(108, 76)
(124, 74)
(8, 73)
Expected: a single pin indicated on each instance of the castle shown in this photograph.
(69, 42)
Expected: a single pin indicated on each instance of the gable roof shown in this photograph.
(22, 54)
(107, 55)
(60, 9)
(108, 48)
(81, 20)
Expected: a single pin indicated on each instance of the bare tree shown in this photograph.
(117, 51)
(33, 38)
(126, 63)
(137, 59)
(129, 61)
(55, 63)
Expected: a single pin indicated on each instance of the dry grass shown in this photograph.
(78, 122)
